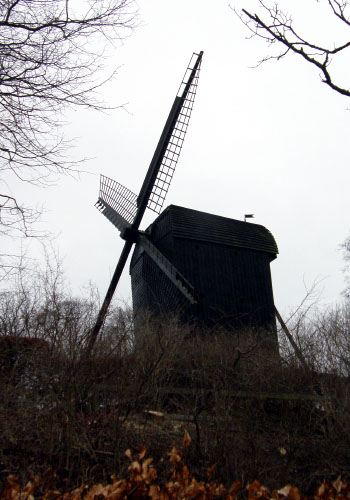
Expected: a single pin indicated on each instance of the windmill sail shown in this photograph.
(165, 158)
(168, 269)
(114, 217)
(116, 202)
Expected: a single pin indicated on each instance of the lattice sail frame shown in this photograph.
(169, 270)
(116, 202)
(172, 153)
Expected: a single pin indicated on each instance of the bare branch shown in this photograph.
(52, 57)
(278, 28)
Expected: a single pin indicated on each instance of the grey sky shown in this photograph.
(272, 141)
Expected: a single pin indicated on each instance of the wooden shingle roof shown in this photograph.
(201, 226)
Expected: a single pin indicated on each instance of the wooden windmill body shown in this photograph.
(226, 262)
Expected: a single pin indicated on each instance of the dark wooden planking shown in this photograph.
(227, 261)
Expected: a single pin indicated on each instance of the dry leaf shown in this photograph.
(338, 484)
(134, 466)
(256, 490)
(187, 439)
(154, 492)
(294, 493)
(142, 452)
(321, 490)
(285, 491)
(175, 456)
(96, 491)
(210, 472)
(236, 485)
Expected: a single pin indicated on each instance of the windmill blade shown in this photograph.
(116, 219)
(171, 272)
(109, 295)
(117, 203)
(165, 158)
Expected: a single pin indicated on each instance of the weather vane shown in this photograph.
(248, 216)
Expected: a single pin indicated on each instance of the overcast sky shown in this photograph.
(272, 141)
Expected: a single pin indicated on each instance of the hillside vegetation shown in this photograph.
(258, 418)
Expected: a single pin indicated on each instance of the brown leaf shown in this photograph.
(187, 439)
(175, 456)
(236, 485)
(128, 454)
(146, 463)
(321, 490)
(185, 472)
(193, 490)
(134, 466)
(211, 471)
(152, 474)
(117, 490)
(338, 484)
(285, 491)
(289, 491)
(255, 489)
(142, 452)
(74, 495)
(294, 493)
(148, 473)
(96, 492)
(27, 492)
(154, 491)
(219, 490)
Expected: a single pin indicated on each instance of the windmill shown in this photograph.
(125, 209)
(197, 265)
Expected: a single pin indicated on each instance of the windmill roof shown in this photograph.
(202, 226)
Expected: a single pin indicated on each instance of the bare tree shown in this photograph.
(345, 247)
(52, 56)
(277, 27)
